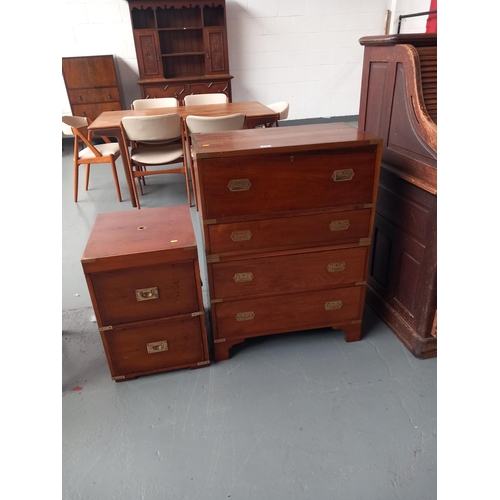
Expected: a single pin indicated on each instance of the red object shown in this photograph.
(431, 26)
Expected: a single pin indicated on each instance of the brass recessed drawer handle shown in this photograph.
(339, 225)
(239, 185)
(241, 235)
(336, 267)
(245, 316)
(147, 294)
(154, 347)
(243, 277)
(334, 304)
(343, 175)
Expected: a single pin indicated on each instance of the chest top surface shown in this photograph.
(281, 139)
(140, 232)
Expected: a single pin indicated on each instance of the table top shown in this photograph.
(279, 139)
(252, 109)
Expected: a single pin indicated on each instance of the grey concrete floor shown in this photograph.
(296, 416)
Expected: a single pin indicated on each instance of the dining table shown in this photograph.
(107, 124)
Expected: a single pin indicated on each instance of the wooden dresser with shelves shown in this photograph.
(143, 277)
(287, 217)
(92, 85)
(181, 47)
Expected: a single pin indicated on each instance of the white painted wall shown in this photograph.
(305, 52)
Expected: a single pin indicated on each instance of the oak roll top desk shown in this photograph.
(287, 217)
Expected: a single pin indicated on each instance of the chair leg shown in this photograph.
(136, 196)
(193, 181)
(87, 176)
(134, 186)
(142, 181)
(115, 177)
(75, 181)
(186, 177)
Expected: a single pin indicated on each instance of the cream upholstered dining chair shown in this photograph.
(282, 108)
(152, 103)
(203, 124)
(195, 99)
(86, 153)
(156, 102)
(156, 141)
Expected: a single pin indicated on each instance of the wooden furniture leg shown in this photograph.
(221, 349)
(352, 332)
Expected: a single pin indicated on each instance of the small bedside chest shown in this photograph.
(143, 276)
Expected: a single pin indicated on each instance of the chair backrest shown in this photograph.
(78, 128)
(281, 107)
(152, 129)
(195, 99)
(200, 124)
(73, 121)
(158, 102)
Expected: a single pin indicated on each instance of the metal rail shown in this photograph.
(414, 15)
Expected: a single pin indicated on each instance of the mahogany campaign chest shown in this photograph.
(287, 216)
(143, 276)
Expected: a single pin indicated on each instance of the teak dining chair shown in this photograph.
(157, 102)
(282, 108)
(201, 124)
(196, 99)
(86, 153)
(156, 141)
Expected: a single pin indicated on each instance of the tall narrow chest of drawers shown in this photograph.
(287, 216)
(92, 85)
(143, 276)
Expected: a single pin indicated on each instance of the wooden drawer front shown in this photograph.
(94, 110)
(118, 302)
(209, 87)
(172, 344)
(91, 71)
(289, 232)
(265, 184)
(108, 94)
(291, 312)
(289, 272)
(163, 90)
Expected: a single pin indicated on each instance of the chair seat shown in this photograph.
(157, 155)
(107, 149)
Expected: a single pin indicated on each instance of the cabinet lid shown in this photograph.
(281, 139)
(140, 237)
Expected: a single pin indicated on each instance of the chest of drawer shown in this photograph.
(143, 293)
(288, 273)
(142, 271)
(303, 231)
(287, 312)
(93, 110)
(160, 346)
(108, 94)
(238, 186)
